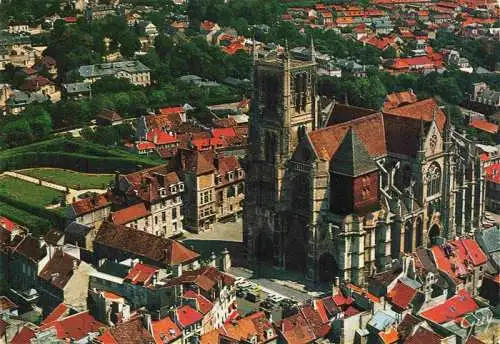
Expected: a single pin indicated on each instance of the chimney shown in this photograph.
(146, 318)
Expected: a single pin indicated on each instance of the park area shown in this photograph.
(71, 179)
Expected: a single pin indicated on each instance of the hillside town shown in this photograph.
(261, 171)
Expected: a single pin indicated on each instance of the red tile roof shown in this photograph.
(223, 132)
(130, 332)
(172, 110)
(146, 184)
(370, 129)
(165, 331)
(254, 324)
(401, 295)
(486, 126)
(145, 145)
(91, 204)
(389, 336)
(205, 278)
(204, 305)
(397, 99)
(415, 62)
(423, 109)
(141, 274)
(35, 83)
(453, 308)
(24, 336)
(76, 326)
(492, 173)
(295, 330)
(7, 224)
(187, 316)
(423, 335)
(160, 137)
(129, 214)
(59, 312)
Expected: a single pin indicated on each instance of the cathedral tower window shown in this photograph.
(300, 91)
(433, 180)
(270, 147)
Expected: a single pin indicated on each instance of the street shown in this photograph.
(272, 279)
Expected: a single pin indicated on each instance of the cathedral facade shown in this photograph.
(341, 191)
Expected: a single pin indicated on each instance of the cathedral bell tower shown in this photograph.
(283, 108)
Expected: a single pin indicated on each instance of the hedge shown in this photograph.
(71, 161)
(35, 224)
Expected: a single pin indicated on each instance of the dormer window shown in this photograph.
(230, 175)
(181, 187)
(218, 179)
(163, 192)
(173, 188)
(240, 173)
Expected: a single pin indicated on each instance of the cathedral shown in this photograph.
(342, 191)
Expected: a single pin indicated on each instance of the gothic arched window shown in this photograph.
(300, 91)
(270, 147)
(433, 180)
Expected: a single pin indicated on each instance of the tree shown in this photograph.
(17, 132)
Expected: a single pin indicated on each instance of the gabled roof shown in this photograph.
(76, 326)
(187, 316)
(129, 214)
(165, 330)
(351, 158)
(369, 129)
(162, 251)
(91, 204)
(401, 295)
(397, 99)
(6, 304)
(405, 327)
(130, 332)
(205, 278)
(58, 313)
(424, 335)
(453, 308)
(486, 126)
(23, 336)
(204, 305)
(424, 110)
(59, 270)
(141, 274)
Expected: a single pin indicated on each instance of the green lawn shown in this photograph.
(71, 179)
(27, 192)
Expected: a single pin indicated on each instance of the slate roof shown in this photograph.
(77, 87)
(53, 236)
(162, 251)
(489, 239)
(30, 248)
(351, 158)
(105, 69)
(341, 113)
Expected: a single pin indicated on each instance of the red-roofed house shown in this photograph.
(419, 64)
(7, 224)
(166, 331)
(229, 187)
(452, 309)
(90, 211)
(401, 296)
(463, 260)
(488, 127)
(74, 327)
(156, 198)
(161, 139)
(189, 321)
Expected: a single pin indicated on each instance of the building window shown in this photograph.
(175, 227)
(164, 216)
(230, 191)
(433, 180)
(174, 213)
(241, 188)
(156, 220)
(230, 175)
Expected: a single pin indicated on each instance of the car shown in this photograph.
(275, 298)
(241, 293)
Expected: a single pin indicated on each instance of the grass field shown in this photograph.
(71, 179)
(27, 192)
